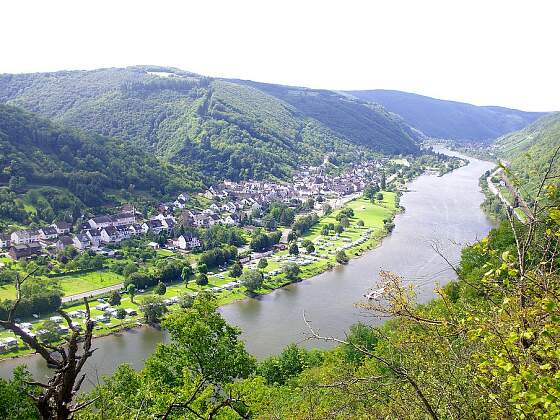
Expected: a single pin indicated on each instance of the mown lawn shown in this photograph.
(75, 283)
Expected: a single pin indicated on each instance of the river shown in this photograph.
(444, 211)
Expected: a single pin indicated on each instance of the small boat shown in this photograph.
(375, 294)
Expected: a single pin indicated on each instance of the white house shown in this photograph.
(100, 222)
(153, 225)
(110, 234)
(48, 232)
(187, 241)
(24, 237)
(81, 241)
(123, 219)
(94, 237)
(62, 227)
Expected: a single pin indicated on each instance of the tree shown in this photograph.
(115, 298)
(194, 375)
(202, 268)
(129, 269)
(252, 280)
(263, 263)
(339, 229)
(341, 257)
(131, 290)
(202, 279)
(360, 223)
(293, 249)
(292, 236)
(325, 231)
(310, 248)
(186, 273)
(14, 395)
(292, 271)
(344, 222)
(54, 399)
(160, 288)
(379, 196)
(236, 270)
(153, 308)
(327, 209)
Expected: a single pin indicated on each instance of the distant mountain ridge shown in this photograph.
(221, 128)
(449, 119)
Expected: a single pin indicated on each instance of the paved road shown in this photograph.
(92, 293)
(494, 190)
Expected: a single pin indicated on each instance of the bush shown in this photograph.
(293, 250)
(263, 263)
(115, 298)
(202, 279)
(360, 223)
(121, 313)
(342, 258)
(160, 289)
(186, 301)
(236, 270)
(292, 271)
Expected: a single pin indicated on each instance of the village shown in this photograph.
(176, 230)
(232, 204)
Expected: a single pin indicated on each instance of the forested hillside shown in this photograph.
(449, 119)
(70, 168)
(530, 150)
(221, 128)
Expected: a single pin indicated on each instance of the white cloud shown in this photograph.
(483, 52)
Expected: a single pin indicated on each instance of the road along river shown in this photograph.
(443, 211)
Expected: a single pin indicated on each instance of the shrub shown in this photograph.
(202, 279)
(342, 258)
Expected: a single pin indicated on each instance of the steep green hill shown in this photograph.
(78, 168)
(356, 120)
(530, 150)
(218, 127)
(449, 119)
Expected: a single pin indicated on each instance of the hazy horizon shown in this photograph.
(497, 54)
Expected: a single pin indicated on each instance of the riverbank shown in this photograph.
(376, 218)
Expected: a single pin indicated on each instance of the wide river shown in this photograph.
(440, 211)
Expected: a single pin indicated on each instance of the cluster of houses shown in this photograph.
(240, 200)
(95, 234)
(233, 203)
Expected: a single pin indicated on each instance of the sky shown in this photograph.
(490, 52)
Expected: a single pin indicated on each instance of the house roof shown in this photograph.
(123, 215)
(66, 240)
(154, 223)
(82, 238)
(111, 230)
(49, 230)
(62, 225)
(102, 219)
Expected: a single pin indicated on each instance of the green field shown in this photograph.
(75, 283)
